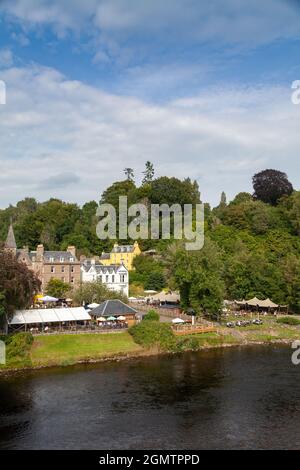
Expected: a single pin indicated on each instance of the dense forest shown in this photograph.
(252, 244)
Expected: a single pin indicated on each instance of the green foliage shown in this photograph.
(148, 173)
(18, 348)
(153, 334)
(95, 292)
(148, 272)
(18, 284)
(152, 315)
(288, 321)
(270, 185)
(57, 288)
(197, 274)
(189, 343)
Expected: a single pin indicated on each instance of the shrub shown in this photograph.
(154, 334)
(152, 315)
(289, 321)
(187, 344)
(18, 345)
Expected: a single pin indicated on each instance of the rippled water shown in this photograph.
(234, 398)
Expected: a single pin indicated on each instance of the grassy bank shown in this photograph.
(62, 350)
(23, 351)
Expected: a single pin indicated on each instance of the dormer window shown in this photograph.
(71, 260)
(62, 259)
(51, 259)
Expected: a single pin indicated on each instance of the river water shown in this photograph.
(234, 398)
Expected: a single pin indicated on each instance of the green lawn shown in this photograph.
(68, 349)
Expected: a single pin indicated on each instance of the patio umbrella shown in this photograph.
(150, 291)
(178, 320)
(47, 298)
(92, 306)
(121, 318)
(111, 318)
(101, 319)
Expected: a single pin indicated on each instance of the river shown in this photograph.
(237, 398)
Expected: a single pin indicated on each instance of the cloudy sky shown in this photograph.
(202, 89)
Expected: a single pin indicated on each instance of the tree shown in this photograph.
(57, 288)
(270, 185)
(197, 274)
(18, 284)
(156, 281)
(90, 292)
(223, 201)
(174, 191)
(129, 174)
(148, 173)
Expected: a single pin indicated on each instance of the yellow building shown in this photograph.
(121, 254)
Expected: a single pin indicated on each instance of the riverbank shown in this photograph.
(67, 350)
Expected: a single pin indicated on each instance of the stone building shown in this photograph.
(48, 265)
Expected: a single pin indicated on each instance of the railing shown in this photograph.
(193, 329)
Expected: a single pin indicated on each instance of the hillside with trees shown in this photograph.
(252, 244)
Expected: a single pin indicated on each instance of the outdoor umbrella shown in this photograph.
(178, 320)
(121, 318)
(101, 319)
(111, 318)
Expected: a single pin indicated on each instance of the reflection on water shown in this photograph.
(235, 398)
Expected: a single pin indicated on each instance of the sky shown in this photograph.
(201, 89)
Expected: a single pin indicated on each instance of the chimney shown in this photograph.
(72, 250)
(39, 252)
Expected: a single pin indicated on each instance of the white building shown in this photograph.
(114, 276)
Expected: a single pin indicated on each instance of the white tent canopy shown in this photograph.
(49, 315)
(177, 321)
(93, 305)
(48, 298)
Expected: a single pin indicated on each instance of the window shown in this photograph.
(106, 278)
(71, 260)
(52, 269)
(62, 269)
(113, 278)
(72, 269)
(51, 259)
(72, 280)
(123, 277)
(62, 259)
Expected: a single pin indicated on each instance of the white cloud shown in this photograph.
(62, 138)
(233, 21)
(6, 57)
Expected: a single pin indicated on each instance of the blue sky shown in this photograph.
(202, 89)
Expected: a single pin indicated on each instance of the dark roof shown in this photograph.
(105, 256)
(11, 241)
(102, 268)
(56, 255)
(112, 308)
(123, 249)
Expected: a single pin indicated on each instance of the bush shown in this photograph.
(154, 334)
(152, 315)
(18, 345)
(289, 321)
(187, 344)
